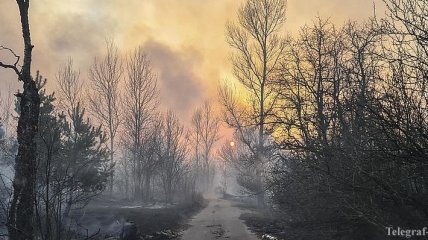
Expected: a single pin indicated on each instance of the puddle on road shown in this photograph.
(217, 231)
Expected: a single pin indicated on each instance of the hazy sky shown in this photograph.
(184, 38)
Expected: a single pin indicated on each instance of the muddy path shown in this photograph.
(219, 220)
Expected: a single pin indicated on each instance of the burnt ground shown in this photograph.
(106, 222)
(270, 224)
(265, 223)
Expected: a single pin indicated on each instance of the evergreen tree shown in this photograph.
(72, 164)
(2, 134)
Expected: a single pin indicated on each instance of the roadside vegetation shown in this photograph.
(119, 219)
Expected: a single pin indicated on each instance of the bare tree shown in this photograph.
(353, 123)
(196, 129)
(151, 158)
(6, 104)
(70, 96)
(8, 149)
(21, 213)
(70, 89)
(104, 97)
(407, 24)
(205, 134)
(174, 151)
(141, 98)
(258, 49)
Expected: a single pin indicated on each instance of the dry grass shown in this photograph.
(160, 223)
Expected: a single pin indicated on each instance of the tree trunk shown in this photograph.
(168, 191)
(21, 213)
(147, 192)
(260, 154)
(21, 210)
(127, 184)
(47, 196)
(111, 162)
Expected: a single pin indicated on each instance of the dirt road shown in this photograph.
(219, 220)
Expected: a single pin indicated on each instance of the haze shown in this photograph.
(185, 39)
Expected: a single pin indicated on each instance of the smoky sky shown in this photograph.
(185, 39)
(180, 87)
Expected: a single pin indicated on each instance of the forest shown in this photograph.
(329, 136)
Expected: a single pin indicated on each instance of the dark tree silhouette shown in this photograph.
(141, 100)
(258, 48)
(105, 75)
(20, 223)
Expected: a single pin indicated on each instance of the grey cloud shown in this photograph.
(179, 85)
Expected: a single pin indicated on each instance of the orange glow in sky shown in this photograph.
(185, 39)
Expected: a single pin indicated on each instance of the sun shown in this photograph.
(232, 143)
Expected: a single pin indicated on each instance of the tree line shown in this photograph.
(79, 156)
(331, 123)
(100, 132)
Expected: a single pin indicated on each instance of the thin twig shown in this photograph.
(14, 66)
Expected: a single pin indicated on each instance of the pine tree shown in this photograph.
(85, 159)
(72, 164)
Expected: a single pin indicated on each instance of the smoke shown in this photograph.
(184, 38)
(180, 87)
